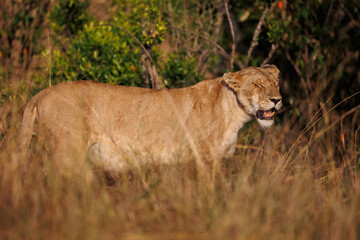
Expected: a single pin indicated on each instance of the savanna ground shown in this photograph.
(278, 185)
(297, 180)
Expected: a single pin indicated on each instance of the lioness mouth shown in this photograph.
(266, 115)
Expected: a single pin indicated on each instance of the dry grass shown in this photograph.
(258, 194)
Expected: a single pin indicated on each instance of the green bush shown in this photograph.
(103, 54)
(179, 71)
(106, 52)
(69, 16)
(142, 18)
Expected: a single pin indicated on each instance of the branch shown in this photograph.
(255, 40)
(328, 13)
(274, 46)
(224, 53)
(348, 27)
(233, 46)
(133, 36)
(296, 68)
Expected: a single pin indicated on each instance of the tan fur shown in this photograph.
(111, 124)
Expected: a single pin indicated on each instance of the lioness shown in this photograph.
(111, 124)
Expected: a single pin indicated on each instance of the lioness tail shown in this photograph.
(27, 126)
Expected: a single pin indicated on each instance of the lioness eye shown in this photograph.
(259, 85)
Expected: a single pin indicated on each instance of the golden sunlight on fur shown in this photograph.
(109, 124)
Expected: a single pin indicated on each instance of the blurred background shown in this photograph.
(313, 42)
(310, 155)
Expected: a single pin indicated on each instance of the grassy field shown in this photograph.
(279, 185)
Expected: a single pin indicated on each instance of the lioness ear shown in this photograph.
(231, 81)
(273, 70)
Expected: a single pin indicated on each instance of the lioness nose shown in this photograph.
(275, 100)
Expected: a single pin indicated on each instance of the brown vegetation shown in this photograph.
(286, 182)
(276, 186)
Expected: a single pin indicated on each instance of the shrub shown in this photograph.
(69, 16)
(179, 71)
(103, 54)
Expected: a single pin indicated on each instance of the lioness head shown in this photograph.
(257, 90)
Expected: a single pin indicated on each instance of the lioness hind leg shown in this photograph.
(104, 157)
(104, 164)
